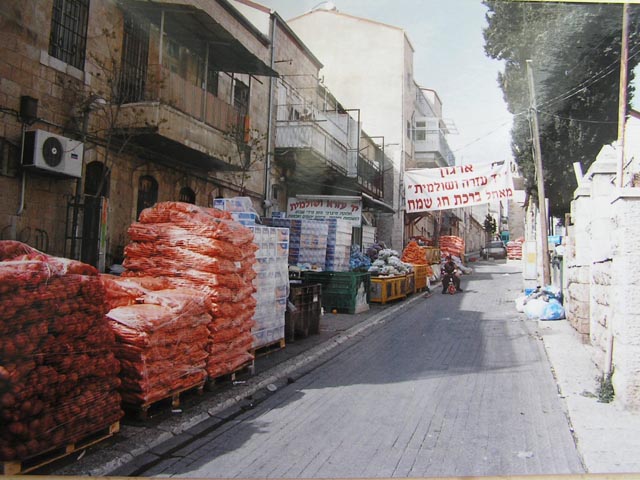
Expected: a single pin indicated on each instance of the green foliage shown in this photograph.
(575, 52)
(490, 225)
(605, 388)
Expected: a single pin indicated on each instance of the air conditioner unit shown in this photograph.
(53, 154)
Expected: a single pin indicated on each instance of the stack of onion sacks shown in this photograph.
(58, 373)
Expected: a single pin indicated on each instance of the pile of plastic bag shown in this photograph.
(358, 262)
(58, 374)
(373, 250)
(204, 249)
(542, 304)
(388, 263)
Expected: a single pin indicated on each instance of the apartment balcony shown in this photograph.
(370, 177)
(316, 151)
(171, 112)
(431, 150)
(179, 122)
(314, 144)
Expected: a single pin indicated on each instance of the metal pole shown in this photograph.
(622, 97)
(622, 113)
(205, 87)
(546, 271)
(75, 227)
(267, 160)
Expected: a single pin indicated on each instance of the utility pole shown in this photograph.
(622, 97)
(542, 205)
(622, 114)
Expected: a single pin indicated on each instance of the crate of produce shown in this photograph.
(421, 273)
(342, 291)
(306, 294)
(385, 289)
(303, 319)
(432, 255)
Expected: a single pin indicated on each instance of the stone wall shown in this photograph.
(625, 324)
(577, 265)
(601, 263)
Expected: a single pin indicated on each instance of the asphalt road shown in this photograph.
(454, 386)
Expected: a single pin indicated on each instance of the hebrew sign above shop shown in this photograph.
(324, 207)
(430, 189)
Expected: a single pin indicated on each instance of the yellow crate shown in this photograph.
(421, 275)
(410, 283)
(385, 289)
(432, 254)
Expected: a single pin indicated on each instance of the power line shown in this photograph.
(585, 83)
(488, 133)
(575, 119)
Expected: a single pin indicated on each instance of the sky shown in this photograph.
(449, 58)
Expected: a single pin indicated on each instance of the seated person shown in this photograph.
(449, 269)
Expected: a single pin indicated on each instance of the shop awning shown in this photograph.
(369, 201)
(194, 28)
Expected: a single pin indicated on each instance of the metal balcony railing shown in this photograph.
(171, 89)
(308, 135)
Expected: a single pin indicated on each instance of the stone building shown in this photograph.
(118, 105)
(320, 148)
(123, 104)
(376, 77)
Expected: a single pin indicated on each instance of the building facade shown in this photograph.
(376, 76)
(109, 107)
(120, 105)
(320, 148)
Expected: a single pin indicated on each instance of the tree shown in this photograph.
(249, 152)
(490, 225)
(575, 50)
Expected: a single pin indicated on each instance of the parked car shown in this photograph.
(495, 249)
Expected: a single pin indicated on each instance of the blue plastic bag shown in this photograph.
(553, 311)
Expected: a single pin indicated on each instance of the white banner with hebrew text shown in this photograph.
(430, 189)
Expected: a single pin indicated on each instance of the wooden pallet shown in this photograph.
(248, 367)
(42, 459)
(142, 411)
(269, 348)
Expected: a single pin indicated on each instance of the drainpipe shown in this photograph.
(24, 173)
(160, 53)
(267, 164)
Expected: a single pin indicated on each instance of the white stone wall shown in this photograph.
(599, 254)
(625, 325)
(602, 258)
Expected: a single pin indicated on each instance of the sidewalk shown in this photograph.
(608, 437)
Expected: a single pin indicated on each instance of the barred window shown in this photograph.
(69, 31)
(135, 53)
(147, 193)
(187, 195)
(241, 97)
